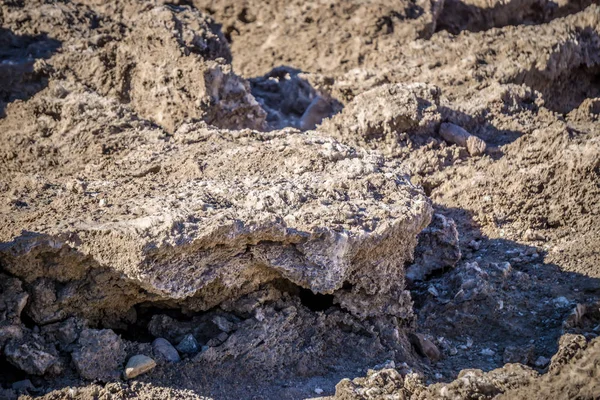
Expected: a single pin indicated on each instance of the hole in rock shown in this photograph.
(316, 302)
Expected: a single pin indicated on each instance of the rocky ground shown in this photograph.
(287, 200)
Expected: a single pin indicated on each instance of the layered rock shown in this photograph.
(205, 214)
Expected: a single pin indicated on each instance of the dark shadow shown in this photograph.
(457, 16)
(291, 101)
(20, 76)
(510, 297)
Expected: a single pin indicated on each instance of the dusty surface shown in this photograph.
(360, 200)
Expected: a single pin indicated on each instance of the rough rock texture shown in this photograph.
(437, 248)
(168, 63)
(124, 206)
(33, 357)
(314, 215)
(577, 379)
(99, 355)
(383, 117)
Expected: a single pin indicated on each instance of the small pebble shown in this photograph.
(319, 391)
(137, 365)
(487, 352)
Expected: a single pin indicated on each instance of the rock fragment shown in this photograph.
(188, 345)
(457, 135)
(138, 365)
(437, 248)
(312, 214)
(542, 361)
(99, 354)
(380, 117)
(165, 350)
(32, 356)
(425, 347)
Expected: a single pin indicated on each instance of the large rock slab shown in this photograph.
(203, 215)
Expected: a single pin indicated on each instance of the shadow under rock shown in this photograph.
(501, 301)
(291, 101)
(20, 76)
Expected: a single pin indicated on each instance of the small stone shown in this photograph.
(561, 301)
(385, 365)
(163, 348)
(457, 135)
(102, 203)
(487, 352)
(503, 268)
(222, 323)
(219, 340)
(318, 391)
(433, 291)
(474, 244)
(137, 365)
(541, 362)
(425, 347)
(515, 354)
(188, 345)
(23, 385)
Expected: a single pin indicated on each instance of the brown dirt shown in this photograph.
(265, 186)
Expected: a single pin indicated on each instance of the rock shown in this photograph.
(65, 332)
(13, 299)
(376, 118)
(437, 248)
(561, 302)
(519, 354)
(487, 352)
(165, 350)
(316, 112)
(570, 346)
(504, 268)
(575, 318)
(311, 215)
(457, 135)
(318, 391)
(223, 323)
(188, 345)
(219, 340)
(24, 385)
(387, 364)
(383, 384)
(8, 332)
(541, 362)
(137, 365)
(425, 347)
(32, 356)
(99, 355)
